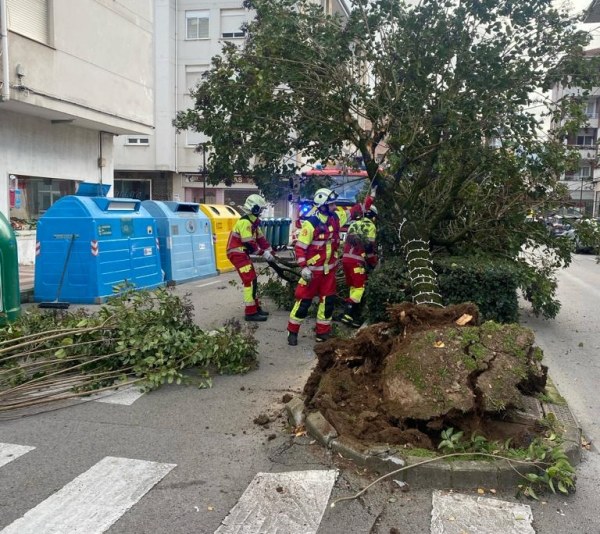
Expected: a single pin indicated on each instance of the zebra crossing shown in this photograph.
(291, 502)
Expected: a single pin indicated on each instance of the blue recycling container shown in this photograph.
(185, 237)
(89, 245)
(284, 232)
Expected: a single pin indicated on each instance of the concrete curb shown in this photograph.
(460, 475)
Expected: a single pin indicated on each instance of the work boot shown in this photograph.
(292, 339)
(319, 338)
(262, 312)
(256, 317)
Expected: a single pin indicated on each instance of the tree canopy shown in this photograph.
(442, 101)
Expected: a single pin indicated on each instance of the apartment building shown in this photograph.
(75, 74)
(167, 165)
(583, 182)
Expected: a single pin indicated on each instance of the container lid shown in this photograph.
(90, 189)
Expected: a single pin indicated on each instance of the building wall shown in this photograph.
(90, 76)
(35, 147)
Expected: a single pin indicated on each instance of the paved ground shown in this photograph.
(184, 460)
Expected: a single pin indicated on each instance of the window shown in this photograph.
(193, 75)
(29, 18)
(137, 141)
(231, 23)
(140, 189)
(196, 24)
(590, 109)
(585, 140)
(30, 197)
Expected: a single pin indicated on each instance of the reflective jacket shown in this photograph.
(247, 236)
(319, 238)
(360, 246)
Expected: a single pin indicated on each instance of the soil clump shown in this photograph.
(403, 381)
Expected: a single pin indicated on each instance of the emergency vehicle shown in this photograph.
(346, 183)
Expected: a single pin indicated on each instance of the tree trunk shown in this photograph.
(420, 266)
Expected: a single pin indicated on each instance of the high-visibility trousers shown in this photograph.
(243, 265)
(356, 279)
(321, 285)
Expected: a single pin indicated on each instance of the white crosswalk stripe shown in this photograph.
(292, 502)
(94, 500)
(125, 396)
(453, 513)
(10, 452)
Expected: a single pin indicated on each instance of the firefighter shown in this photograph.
(316, 254)
(247, 238)
(359, 256)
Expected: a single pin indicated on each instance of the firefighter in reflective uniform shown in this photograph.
(316, 253)
(247, 238)
(360, 254)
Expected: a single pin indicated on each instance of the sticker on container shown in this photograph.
(190, 226)
(201, 246)
(105, 229)
(147, 251)
(126, 227)
(149, 230)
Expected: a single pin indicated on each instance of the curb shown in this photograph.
(460, 475)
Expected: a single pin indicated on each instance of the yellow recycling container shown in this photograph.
(223, 219)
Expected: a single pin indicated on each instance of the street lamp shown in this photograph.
(203, 172)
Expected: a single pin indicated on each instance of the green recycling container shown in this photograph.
(284, 232)
(276, 225)
(10, 294)
(267, 229)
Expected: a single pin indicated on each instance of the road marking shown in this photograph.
(126, 396)
(10, 452)
(454, 512)
(292, 502)
(93, 501)
(209, 283)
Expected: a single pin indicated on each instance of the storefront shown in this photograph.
(28, 199)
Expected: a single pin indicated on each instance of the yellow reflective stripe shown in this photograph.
(248, 296)
(313, 260)
(356, 294)
(236, 249)
(245, 269)
(359, 270)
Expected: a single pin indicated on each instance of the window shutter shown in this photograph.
(231, 22)
(29, 18)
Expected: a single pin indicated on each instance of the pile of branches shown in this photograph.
(142, 337)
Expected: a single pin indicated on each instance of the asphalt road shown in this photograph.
(208, 448)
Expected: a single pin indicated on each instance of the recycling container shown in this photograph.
(275, 235)
(185, 238)
(267, 229)
(89, 246)
(284, 232)
(223, 219)
(10, 297)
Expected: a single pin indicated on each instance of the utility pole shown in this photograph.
(203, 172)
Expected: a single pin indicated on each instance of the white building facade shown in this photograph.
(167, 165)
(583, 182)
(75, 74)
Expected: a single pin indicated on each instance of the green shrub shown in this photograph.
(388, 284)
(488, 282)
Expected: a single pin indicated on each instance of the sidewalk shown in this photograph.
(26, 275)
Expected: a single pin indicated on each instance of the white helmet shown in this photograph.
(324, 196)
(255, 204)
